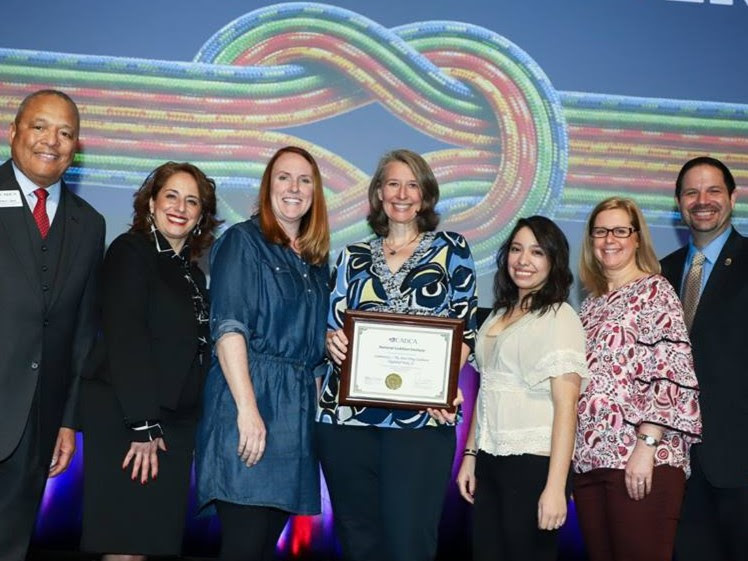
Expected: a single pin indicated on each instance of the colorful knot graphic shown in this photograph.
(514, 146)
(462, 84)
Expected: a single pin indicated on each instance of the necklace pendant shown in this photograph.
(393, 252)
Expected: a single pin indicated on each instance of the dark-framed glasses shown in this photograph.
(618, 231)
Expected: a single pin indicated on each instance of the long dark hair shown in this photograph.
(556, 289)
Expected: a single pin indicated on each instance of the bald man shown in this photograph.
(52, 244)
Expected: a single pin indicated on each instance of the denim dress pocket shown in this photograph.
(282, 282)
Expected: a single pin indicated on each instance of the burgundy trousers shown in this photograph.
(618, 528)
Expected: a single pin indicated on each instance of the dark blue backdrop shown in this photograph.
(667, 49)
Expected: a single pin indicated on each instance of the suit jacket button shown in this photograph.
(34, 366)
(44, 248)
(45, 287)
(45, 268)
(46, 322)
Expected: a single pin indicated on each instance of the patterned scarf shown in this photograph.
(200, 306)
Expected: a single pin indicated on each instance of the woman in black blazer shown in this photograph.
(140, 405)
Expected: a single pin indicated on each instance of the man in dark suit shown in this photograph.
(711, 275)
(50, 253)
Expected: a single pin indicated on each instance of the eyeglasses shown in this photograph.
(618, 232)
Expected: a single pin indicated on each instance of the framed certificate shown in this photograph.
(400, 361)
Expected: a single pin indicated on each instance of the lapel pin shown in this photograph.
(728, 262)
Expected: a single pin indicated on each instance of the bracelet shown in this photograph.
(470, 452)
(150, 429)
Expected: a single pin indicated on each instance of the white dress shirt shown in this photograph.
(28, 187)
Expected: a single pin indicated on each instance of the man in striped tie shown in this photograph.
(51, 244)
(711, 275)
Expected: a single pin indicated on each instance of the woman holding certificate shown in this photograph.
(387, 469)
(530, 354)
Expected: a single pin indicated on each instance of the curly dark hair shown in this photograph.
(206, 187)
(556, 289)
(427, 219)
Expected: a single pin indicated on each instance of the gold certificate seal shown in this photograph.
(393, 381)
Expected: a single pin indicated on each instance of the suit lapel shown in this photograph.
(674, 273)
(14, 229)
(721, 276)
(68, 212)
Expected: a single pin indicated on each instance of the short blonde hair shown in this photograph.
(590, 272)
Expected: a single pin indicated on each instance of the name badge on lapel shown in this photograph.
(10, 199)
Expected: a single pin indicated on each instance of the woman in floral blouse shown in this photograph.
(640, 413)
(387, 470)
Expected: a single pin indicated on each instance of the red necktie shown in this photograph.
(40, 212)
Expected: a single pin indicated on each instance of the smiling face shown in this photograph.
(705, 203)
(527, 263)
(291, 190)
(45, 138)
(615, 255)
(177, 209)
(400, 193)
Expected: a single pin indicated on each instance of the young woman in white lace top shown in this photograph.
(531, 356)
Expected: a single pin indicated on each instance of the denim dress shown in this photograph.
(278, 302)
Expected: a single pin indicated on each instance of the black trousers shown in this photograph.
(505, 513)
(714, 520)
(387, 488)
(249, 533)
(23, 475)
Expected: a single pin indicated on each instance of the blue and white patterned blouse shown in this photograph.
(437, 280)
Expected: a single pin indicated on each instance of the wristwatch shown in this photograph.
(647, 439)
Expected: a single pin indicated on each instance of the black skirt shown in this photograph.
(121, 516)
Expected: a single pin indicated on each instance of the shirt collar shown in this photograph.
(28, 187)
(164, 247)
(711, 250)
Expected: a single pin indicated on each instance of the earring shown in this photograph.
(196, 231)
(152, 222)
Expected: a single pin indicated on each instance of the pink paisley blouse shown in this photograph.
(641, 370)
